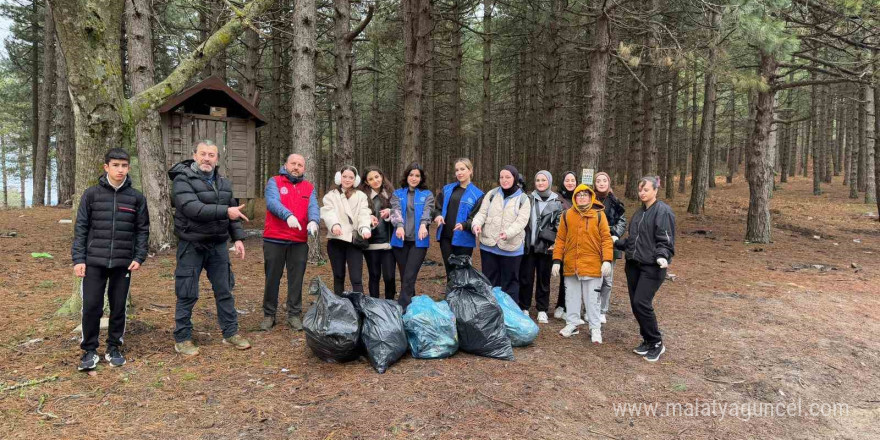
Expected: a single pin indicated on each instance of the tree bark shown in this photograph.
(597, 90)
(816, 136)
(870, 145)
(64, 137)
(416, 32)
(852, 143)
(700, 183)
(668, 169)
(35, 87)
(760, 163)
(732, 165)
(713, 145)
(634, 156)
(344, 66)
(876, 102)
(43, 127)
(3, 171)
(148, 136)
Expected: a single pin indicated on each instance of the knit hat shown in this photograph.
(601, 194)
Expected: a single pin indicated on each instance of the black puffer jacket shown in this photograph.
(546, 224)
(616, 214)
(651, 234)
(200, 207)
(112, 226)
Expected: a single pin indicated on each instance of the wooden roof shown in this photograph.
(215, 84)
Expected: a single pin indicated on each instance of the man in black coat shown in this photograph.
(205, 218)
(109, 242)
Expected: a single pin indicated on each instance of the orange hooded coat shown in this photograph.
(583, 241)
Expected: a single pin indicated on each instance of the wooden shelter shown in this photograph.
(212, 110)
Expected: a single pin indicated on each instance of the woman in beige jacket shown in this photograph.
(346, 211)
(500, 227)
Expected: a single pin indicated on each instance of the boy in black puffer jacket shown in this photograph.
(109, 242)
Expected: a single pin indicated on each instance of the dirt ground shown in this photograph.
(791, 322)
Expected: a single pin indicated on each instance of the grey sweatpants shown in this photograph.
(582, 293)
(605, 294)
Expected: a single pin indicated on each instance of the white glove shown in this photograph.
(555, 270)
(606, 269)
(614, 239)
(663, 263)
(312, 227)
(293, 223)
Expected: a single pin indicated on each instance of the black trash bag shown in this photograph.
(315, 286)
(478, 316)
(382, 334)
(332, 327)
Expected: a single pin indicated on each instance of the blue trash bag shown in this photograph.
(520, 328)
(430, 328)
(478, 316)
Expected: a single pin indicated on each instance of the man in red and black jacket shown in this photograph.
(109, 242)
(290, 203)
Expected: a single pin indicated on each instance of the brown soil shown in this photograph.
(744, 324)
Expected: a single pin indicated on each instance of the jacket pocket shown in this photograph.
(186, 282)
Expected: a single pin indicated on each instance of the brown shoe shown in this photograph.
(295, 323)
(238, 341)
(186, 348)
(267, 323)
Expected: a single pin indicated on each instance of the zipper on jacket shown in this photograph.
(112, 230)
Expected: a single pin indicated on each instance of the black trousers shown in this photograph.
(560, 300)
(342, 254)
(276, 257)
(409, 261)
(643, 281)
(447, 249)
(116, 281)
(214, 259)
(503, 272)
(535, 267)
(380, 264)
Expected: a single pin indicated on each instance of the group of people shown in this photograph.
(524, 238)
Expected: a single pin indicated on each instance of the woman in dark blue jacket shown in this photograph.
(453, 205)
(411, 207)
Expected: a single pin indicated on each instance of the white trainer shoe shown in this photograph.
(559, 313)
(569, 330)
(603, 319)
(542, 317)
(596, 336)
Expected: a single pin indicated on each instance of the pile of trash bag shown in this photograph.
(521, 329)
(382, 331)
(430, 328)
(478, 317)
(332, 327)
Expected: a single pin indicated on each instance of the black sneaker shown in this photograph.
(642, 349)
(655, 352)
(89, 361)
(114, 357)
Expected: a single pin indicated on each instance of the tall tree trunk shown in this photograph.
(816, 136)
(41, 162)
(64, 137)
(304, 120)
(713, 145)
(416, 32)
(852, 140)
(876, 103)
(455, 76)
(634, 157)
(251, 77)
(344, 66)
(669, 172)
(3, 170)
(276, 103)
(688, 144)
(732, 165)
(597, 90)
(148, 135)
(488, 127)
(22, 173)
(700, 183)
(760, 164)
(870, 145)
(35, 85)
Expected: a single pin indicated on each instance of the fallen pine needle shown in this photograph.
(29, 383)
(724, 381)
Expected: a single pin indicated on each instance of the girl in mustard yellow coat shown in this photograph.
(584, 251)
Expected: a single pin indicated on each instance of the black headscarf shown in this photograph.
(516, 179)
(566, 194)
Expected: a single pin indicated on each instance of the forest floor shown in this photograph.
(792, 324)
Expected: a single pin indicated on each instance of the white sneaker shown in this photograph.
(559, 313)
(525, 312)
(569, 330)
(603, 319)
(596, 336)
(542, 317)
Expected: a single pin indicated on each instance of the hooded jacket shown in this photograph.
(112, 226)
(583, 241)
(651, 234)
(200, 214)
